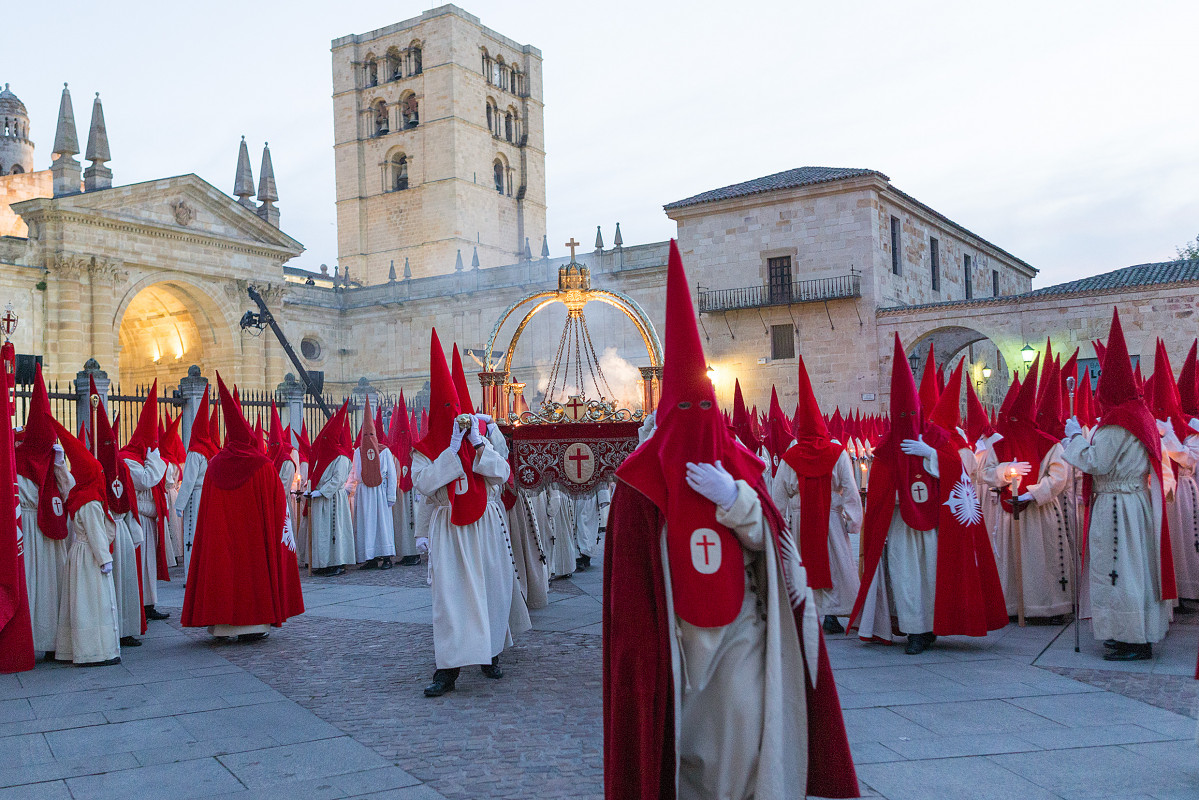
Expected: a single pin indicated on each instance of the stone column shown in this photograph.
(651, 377)
(495, 397)
(291, 392)
(192, 388)
(83, 408)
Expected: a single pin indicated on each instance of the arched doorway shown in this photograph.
(985, 367)
(165, 327)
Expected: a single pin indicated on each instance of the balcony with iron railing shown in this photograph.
(816, 290)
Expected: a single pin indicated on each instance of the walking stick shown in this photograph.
(1017, 506)
(1076, 538)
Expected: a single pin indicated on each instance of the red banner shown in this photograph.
(578, 456)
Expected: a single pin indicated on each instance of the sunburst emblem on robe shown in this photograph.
(963, 501)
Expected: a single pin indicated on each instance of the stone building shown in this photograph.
(439, 147)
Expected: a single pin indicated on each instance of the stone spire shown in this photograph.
(391, 273)
(97, 176)
(474, 260)
(243, 184)
(528, 253)
(65, 169)
(458, 262)
(407, 269)
(545, 246)
(618, 241)
(267, 194)
(599, 238)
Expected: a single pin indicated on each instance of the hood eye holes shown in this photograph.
(685, 404)
(705, 404)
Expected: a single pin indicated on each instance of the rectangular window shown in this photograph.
(995, 283)
(782, 341)
(896, 264)
(966, 277)
(934, 254)
(779, 270)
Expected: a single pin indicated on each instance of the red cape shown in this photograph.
(639, 747)
(969, 598)
(241, 573)
(16, 630)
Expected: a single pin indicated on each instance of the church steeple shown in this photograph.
(97, 176)
(66, 170)
(243, 184)
(268, 195)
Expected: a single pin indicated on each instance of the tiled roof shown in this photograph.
(1128, 277)
(791, 179)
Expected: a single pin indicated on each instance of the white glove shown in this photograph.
(713, 482)
(1017, 470)
(1073, 428)
(422, 544)
(475, 437)
(59, 456)
(484, 418)
(106, 569)
(1162, 427)
(456, 437)
(917, 447)
(315, 493)
(1194, 423)
(1025, 498)
(154, 452)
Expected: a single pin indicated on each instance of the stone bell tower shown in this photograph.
(438, 145)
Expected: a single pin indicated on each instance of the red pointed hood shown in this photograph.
(467, 506)
(87, 471)
(978, 424)
(460, 384)
(742, 422)
(172, 443)
(928, 382)
(1167, 404)
(1069, 369)
(242, 456)
(399, 442)
(809, 422)
(201, 436)
(1188, 382)
(278, 446)
(369, 451)
(1084, 400)
(35, 452)
(780, 432)
(214, 428)
(145, 435)
(1009, 399)
(305, 444)
(946, 414)
(690, 429)
(1050, 418)
(836, 425)
(118, 486)
(1117, 383)
(1022, 439)
(329, 445)
(907, 422)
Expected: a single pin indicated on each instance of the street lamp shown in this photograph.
(1028, 354)
(986, 371)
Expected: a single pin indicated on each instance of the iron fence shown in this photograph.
(810, 291)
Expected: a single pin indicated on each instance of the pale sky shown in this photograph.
(1065, 132)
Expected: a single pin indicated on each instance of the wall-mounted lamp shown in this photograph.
(1028, 354)
(711, 373)
(986, 372)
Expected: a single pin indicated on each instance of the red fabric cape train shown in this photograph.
(241, 573)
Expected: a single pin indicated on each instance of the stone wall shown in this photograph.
(14, 189)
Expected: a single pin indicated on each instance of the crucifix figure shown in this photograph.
(572, 244)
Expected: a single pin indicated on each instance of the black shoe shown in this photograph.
(50, 655)
(918, 643)
(1111, 644)
(386, 563)
(582, 563)
(443, 681)
(109, 663)
(1130, 652)
(331, 572)
(410, 561)
(370, 564)
(832, 625)
(493, 670)
(130, 641)
(154, 613)
(252, 637)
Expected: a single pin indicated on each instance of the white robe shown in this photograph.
(174, 532)
(1046, 553)
(287, 477)
(45, 560)
(87, 620)
(124, 573)
(845, 520)
(475, 593)
(145, 477)
(528, 553)
(741, 720)
(374, 526)
(562, 533)
(1123, 537)
(1182, 509)
(187, 504)
(590, 509)
(403, 522)
(299, 508)
(330, 518)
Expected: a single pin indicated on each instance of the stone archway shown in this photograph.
(163, 327)
(954, 343)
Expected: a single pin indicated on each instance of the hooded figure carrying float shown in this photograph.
(716, 680)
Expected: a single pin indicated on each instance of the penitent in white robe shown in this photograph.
(845, 519)
(374, 526)
(563, 554)
(475, 594)
(1182, 510)
(1123, 537)
(330, 518)
(145, 477)
(174, 531)
(45, 560)
(87, 620)
(187, 504)
(1046, 552)
(124, 573)
(590, 510)
(532, 572)
(741, 720)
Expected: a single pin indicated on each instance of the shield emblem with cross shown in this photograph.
(370, 454)
(576, 409)
(117, 488)
(56, 506)
(705, 551)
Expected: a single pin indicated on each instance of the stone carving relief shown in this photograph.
(184, 214)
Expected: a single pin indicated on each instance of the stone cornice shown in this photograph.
(1027, 298)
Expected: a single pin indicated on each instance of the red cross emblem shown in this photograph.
(578, 463)
(919, 491)
(460, 485)
(705, 551)
(117, 488)
(56, 505)
(8, 323)
(370, 454)
(576, 408)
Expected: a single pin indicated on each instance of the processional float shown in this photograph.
(574, 440)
